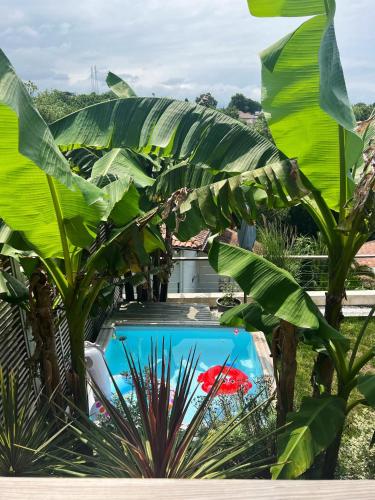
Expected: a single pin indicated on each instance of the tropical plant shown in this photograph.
(196, 156)
(58, 219)
(320, 421)
(310, 118)
(154, 441)
(29, 439)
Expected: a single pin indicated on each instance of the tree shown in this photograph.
(207, 100)
(53, 216)
(363, 111)
(244, 104)
(316, 425)
(230, 111)
(54, 104)
(309, 122)
(58, 219)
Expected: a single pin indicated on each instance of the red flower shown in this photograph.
(233, 380)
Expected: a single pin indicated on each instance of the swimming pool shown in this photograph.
(213, 346)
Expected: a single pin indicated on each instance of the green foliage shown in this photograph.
(12, 290)
(173, 130)
(251, 317)
(357, 457)
(60, 216)
(261, 126)
(206, 100)
(35, 154)
(232, 112)
(151, 439)
(54, 104)
(258, 277)
(366, 386)
(30, 443)
(297, 110)
(363, 111)
(244, 104)
(119, 87)
(277, 244)
(309, 432)
(259, 428)
(228, 291)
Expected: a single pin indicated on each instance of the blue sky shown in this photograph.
(176, 48)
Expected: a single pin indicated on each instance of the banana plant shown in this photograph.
(214, 162)
(54, 215)
(310, 118)
(318, 424)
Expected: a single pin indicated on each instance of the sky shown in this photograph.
(174, 48)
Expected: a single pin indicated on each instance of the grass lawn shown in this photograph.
(357, 460)
(306, 356)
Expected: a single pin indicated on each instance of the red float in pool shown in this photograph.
(234, 380)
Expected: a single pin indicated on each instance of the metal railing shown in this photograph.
(194, 274)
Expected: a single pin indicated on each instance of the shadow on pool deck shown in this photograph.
(164, 313)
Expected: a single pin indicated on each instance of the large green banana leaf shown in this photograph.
(305, 98)
(39, 196)
(170, 129)
(118, 86)
(251, 317)
(274, 289)
(120, 163)
(212, 204)
(310, 431)
(366, 130)
(366, 385)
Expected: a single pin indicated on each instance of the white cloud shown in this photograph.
(176, 48)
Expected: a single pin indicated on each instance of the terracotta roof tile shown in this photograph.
(198, 242)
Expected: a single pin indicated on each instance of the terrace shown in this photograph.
(188, 292)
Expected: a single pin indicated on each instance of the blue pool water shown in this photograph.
(213, 345)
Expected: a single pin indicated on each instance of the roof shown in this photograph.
(197, 242)
(367, 249)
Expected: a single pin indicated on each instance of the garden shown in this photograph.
(92, 200)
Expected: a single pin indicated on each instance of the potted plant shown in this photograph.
(228, 300)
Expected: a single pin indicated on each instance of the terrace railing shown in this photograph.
(194, 274)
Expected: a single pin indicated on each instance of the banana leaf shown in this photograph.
(274, 289)
(119, 87)
(310, 431)
(167, 129)
(38, 192)
(305, 99)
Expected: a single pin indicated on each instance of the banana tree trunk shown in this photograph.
(78, 381)
(43, 330)
(323, 370)
(284, 353)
